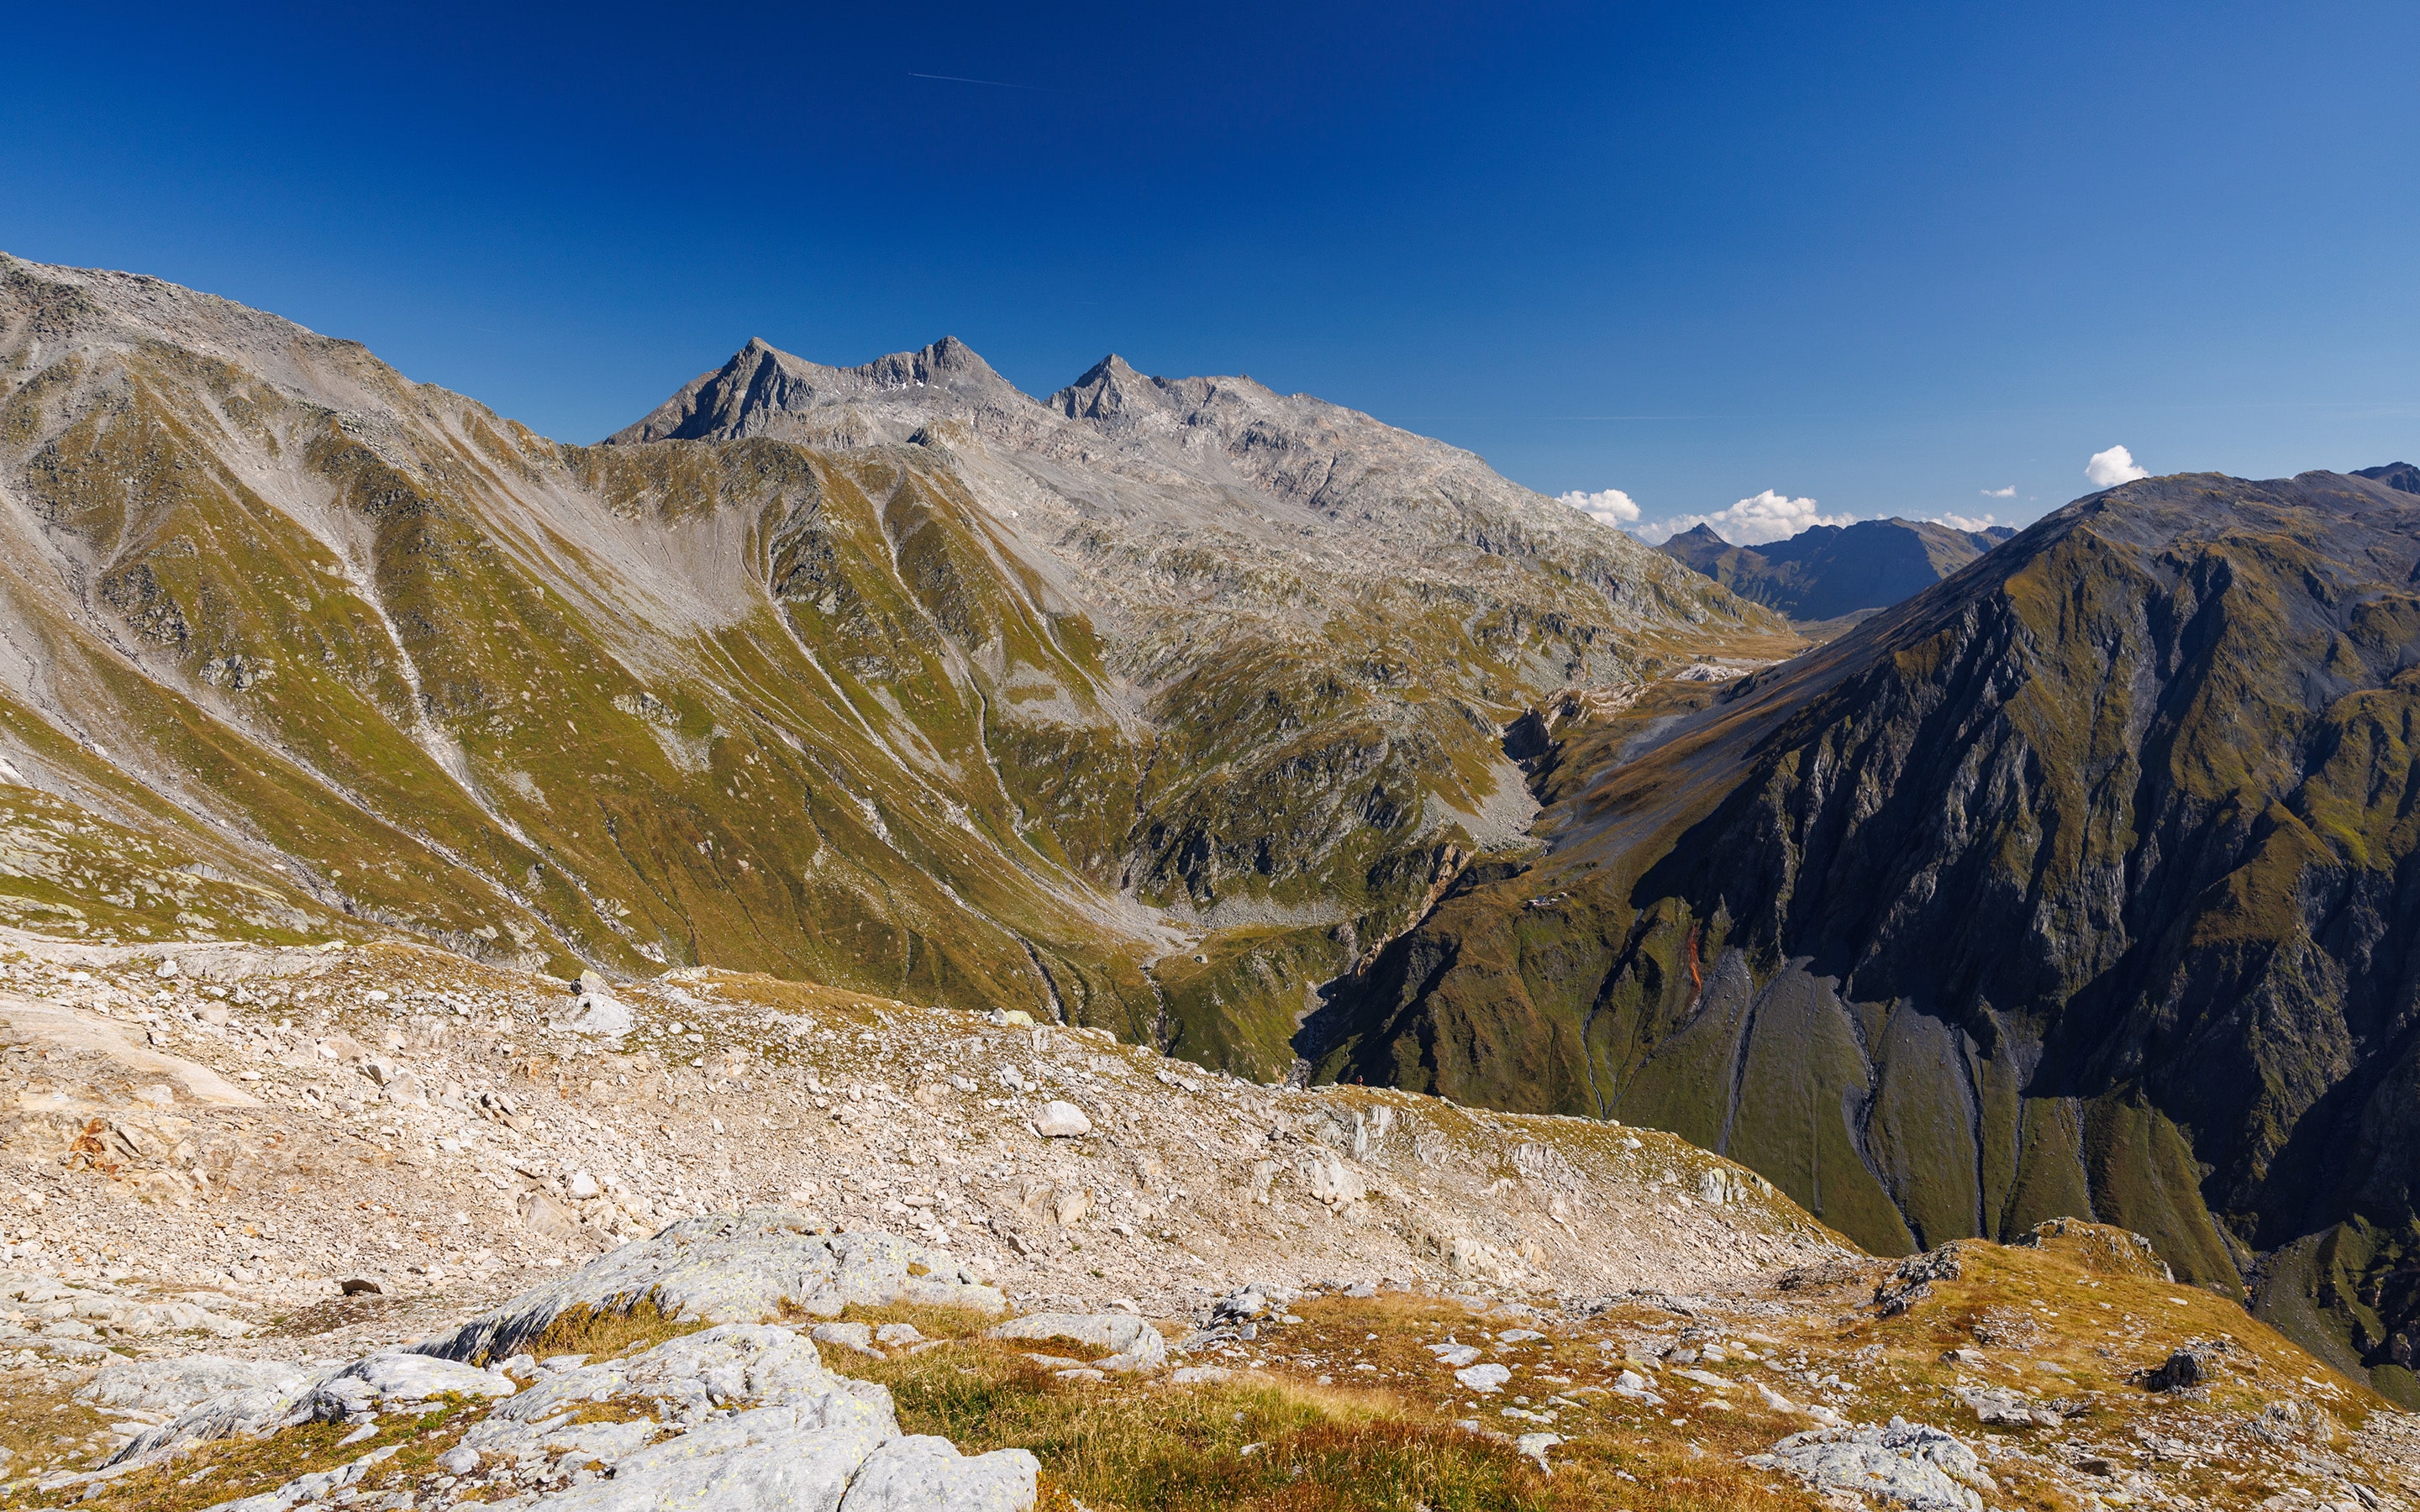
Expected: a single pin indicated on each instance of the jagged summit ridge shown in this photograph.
(766, 390)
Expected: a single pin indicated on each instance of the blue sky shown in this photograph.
(1884, 258)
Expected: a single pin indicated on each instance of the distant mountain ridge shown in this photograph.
(1827, 571)
(2401, 476)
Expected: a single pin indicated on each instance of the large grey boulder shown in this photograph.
(1126, 1342)
(1899, 1464)
(731, 1267)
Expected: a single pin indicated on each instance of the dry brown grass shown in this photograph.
(603, 1332)
(931, 1321)
(241, 1466)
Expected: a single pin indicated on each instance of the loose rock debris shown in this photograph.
(378, 1227)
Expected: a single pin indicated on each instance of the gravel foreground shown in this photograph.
(372, 1224)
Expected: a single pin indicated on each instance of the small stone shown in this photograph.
(547, 1218)
(895, 1336)
(168, 968)
(858, 1336)
(1484, 1378)
(1534, 1447)
(1061, 1121)
(584, 1186)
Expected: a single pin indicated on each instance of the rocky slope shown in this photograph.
(1144, 707)
(1830, 571)
(382, 1227)
(2080, 883)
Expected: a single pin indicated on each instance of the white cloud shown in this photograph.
(1612, 506)
(2009, 492)
(2109, 468)
(1967, 522)
(1768, 516)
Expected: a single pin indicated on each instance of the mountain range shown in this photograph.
(1249, 728)
(1151, 704)
(1826, 572)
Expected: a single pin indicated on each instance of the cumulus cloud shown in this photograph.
(1612, 506)
(1768, 516)
(1967, 522)
(2109, 468)
(2009, 492)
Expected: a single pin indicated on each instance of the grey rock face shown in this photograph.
(753, 1365)
(747, 1420)
(731, 1268)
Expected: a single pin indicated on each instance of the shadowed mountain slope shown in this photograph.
(2084, 882)
(1827, 571)
(892, 677)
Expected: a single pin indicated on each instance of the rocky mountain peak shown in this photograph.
(2401, 476)
(764, 390)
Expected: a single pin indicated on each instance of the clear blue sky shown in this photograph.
(1887, 258)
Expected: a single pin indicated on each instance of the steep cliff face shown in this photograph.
(2082, 883)
(935, 706)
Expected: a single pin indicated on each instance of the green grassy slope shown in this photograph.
(2080, 883)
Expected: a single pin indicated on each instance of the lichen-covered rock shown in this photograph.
(731, 1267)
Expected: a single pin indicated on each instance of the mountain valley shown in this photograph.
(1279, 958)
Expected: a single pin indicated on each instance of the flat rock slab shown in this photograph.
(737, 1268)
(1127, 1341)
(63, 1029)
(172, 1385)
